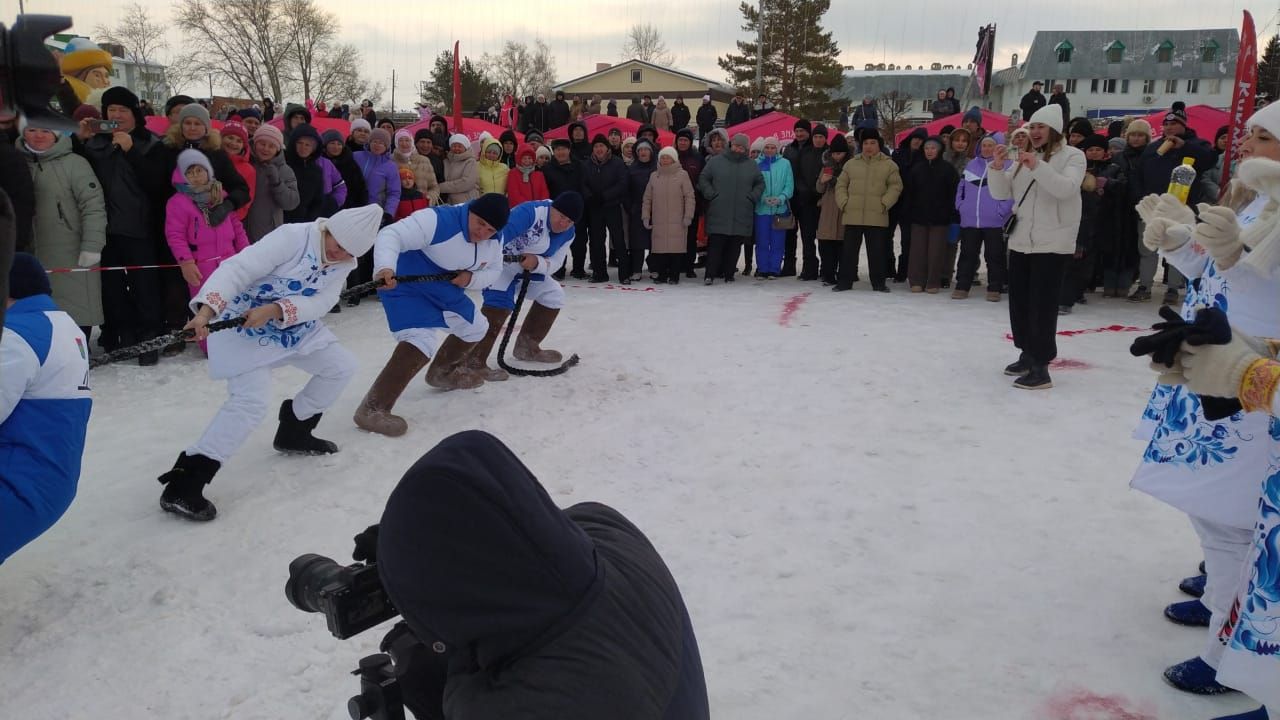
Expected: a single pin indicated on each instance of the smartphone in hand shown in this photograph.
(103, 127)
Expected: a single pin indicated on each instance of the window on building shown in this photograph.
(928, 106)
(1093, 86)
(1115, 52)
(1148, 87)
(1164, 52)
(1171, 86)
(1109, 86)
(1064, 51)
(1071, 87)
(1214, 87)
(1209, 51)
(637, 75)
(1124, 87)
(1193, 86)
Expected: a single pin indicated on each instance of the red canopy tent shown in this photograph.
(775, 124)
(991, 122)
(159, 124)
(602, 124)
(321, 124)
(471, 127)
(1205, 120)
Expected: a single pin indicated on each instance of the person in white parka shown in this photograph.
(282, 285)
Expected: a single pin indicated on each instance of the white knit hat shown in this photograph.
(1268, 118)
(355, 229)
(771, 140)
(758, 145)
(360, 124)
(669, 152)
(459, 139)
(190, 157)
(1050, 115)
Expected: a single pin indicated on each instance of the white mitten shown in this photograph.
(1260, 174)
(88, 259)
(1146, 207)
(1219, 234)
(1216, 370)
(1172, 208)
(1167, 375)
(1165, 234)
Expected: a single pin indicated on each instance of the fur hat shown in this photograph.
(1094, 141)
(804, 125)
(27, 277)
(669, 152)
(326, 137)
(360, 124)
(1138, 126)
(560, 143)
(123, 97)
(1050, 115)
(189, 158)
(873, 134)
(380, 135)
(570, 204)
(270, 132)
(175, 101)
(197, 111)
(491, 208)
(1080, 126)
(459, 139)
(355, 229)
(839, 144)
(599, 139)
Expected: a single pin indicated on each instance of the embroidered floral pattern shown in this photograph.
(1255, 620)
(1184, 436)
(215, 301)
(290, 311)
(1258, 386)
(276, 289)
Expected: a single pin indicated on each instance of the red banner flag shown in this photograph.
(457, 89)
(1243, 96)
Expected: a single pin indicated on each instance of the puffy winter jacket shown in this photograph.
(779, 182)
(461, 181)
(732, 184)
(520, 190)
(382, 176)
(973, 198)
(250, 174)
(129, 182)
(661, 118)
(1049, 217)
(424, 175)
(277, 193)
(492, 174)
(830, 226)
(806, 163)
(604, 184)
(668, 208)
(411, 201)
(191, 238)
(868, 186)
(932, 193)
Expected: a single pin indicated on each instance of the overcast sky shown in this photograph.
(407, 36)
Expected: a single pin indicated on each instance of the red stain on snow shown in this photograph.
(1080, 704)
(1069, 364)
(791, 307)
(1091, 331)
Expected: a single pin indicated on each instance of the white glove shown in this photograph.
(1219, 234)
(1261, 174)
(1165, 234)
(88, 259)
(1146, 207)
(1167, 375)
(1216, 370)
(1172, 208)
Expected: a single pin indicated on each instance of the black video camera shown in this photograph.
(29, 76)
(350, 596)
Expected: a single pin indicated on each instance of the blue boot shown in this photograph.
(1193, 586)
(1259, 714)
(1192, 613)
(1195, 676)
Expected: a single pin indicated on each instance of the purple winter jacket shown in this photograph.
(383, 178)
(973, 198)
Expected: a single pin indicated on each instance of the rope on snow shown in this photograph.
(506, 337)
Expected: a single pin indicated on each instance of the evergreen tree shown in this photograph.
(1269, 70)
(801, 62)
(437, 92)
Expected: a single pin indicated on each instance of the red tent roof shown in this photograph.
(775, 124)
(1203, 119)
(471, 127)
(321, 124)
(159, 124)
(991, 122)
(602, 124)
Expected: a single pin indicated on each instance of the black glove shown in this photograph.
(366, 545)
(1210, 328)
(421, 671)
(387, 219)
(219, 212)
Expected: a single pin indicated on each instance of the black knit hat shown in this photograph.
(685, 133)
(491, 208)
(569, 203)
(177, 100)
(1179, 113)
(821, 129)
(1225, 129)
(873, 134)
(839, 144)
(423, 133)
(599, 139)
(803, 124)
(27, 277)
(1094, 141)
(123, 97)
(1080, 126)
(561, 143)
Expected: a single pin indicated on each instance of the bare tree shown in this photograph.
(520, 71)
(242, 42)
(892, 107)
(311, 32)
(182, 72)
(336, 77)
(142, 41)
(644, 42)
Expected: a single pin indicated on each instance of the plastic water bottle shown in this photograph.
(1181, 179)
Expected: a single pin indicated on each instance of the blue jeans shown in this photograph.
(769, 245)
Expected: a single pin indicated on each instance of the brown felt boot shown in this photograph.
(374, 413)
(448, 371)
(478, 360)
(534, 329)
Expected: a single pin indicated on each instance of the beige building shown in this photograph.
(637, 78)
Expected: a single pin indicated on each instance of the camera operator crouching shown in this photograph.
(513, 608)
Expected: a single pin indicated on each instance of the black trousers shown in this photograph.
(722, 255)
(807, 214)
(829, 252)
(131, 300)
(578, 250)
(691, 246)
(1076, 278)
(1035, 281)
(748, 247)
(599, 221)
(973, 241)
(667, 265)
(853, 236)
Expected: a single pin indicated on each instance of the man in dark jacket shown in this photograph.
(806, 163)
(15, 181)
(1059, 98)
(1032, 101)
(565, 174)
(732, 184)
(762, 107)
(604, 186)
(707, 116)
(680, 115)
(579, 145)
(535, 115)
(128, 162)
(528, 609)
(635, 111)
(865, 115)
(557, 112)
(738, 112)
(648, 109)
(907, 154)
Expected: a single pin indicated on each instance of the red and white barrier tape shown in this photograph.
(118, 267)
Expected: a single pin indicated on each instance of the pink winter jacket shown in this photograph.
(190, 237)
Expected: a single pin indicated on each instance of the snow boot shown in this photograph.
(1196, 677)
(448, 371)
(1141, 294)
(183, 485)
(536, 326)
(374, 413)
(1193, 586)
(1191, 613)
(1202, 570)
(478, 360)
(294, 437)
(1019, 368)
(1259, 714)
(1037, 378)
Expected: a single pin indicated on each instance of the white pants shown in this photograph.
(1226, 554)
(428, 340)
(547, 293)
(249, 393)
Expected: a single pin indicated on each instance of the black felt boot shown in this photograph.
(183, 486)
(294, 436)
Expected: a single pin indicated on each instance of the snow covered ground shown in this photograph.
(867, 521)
